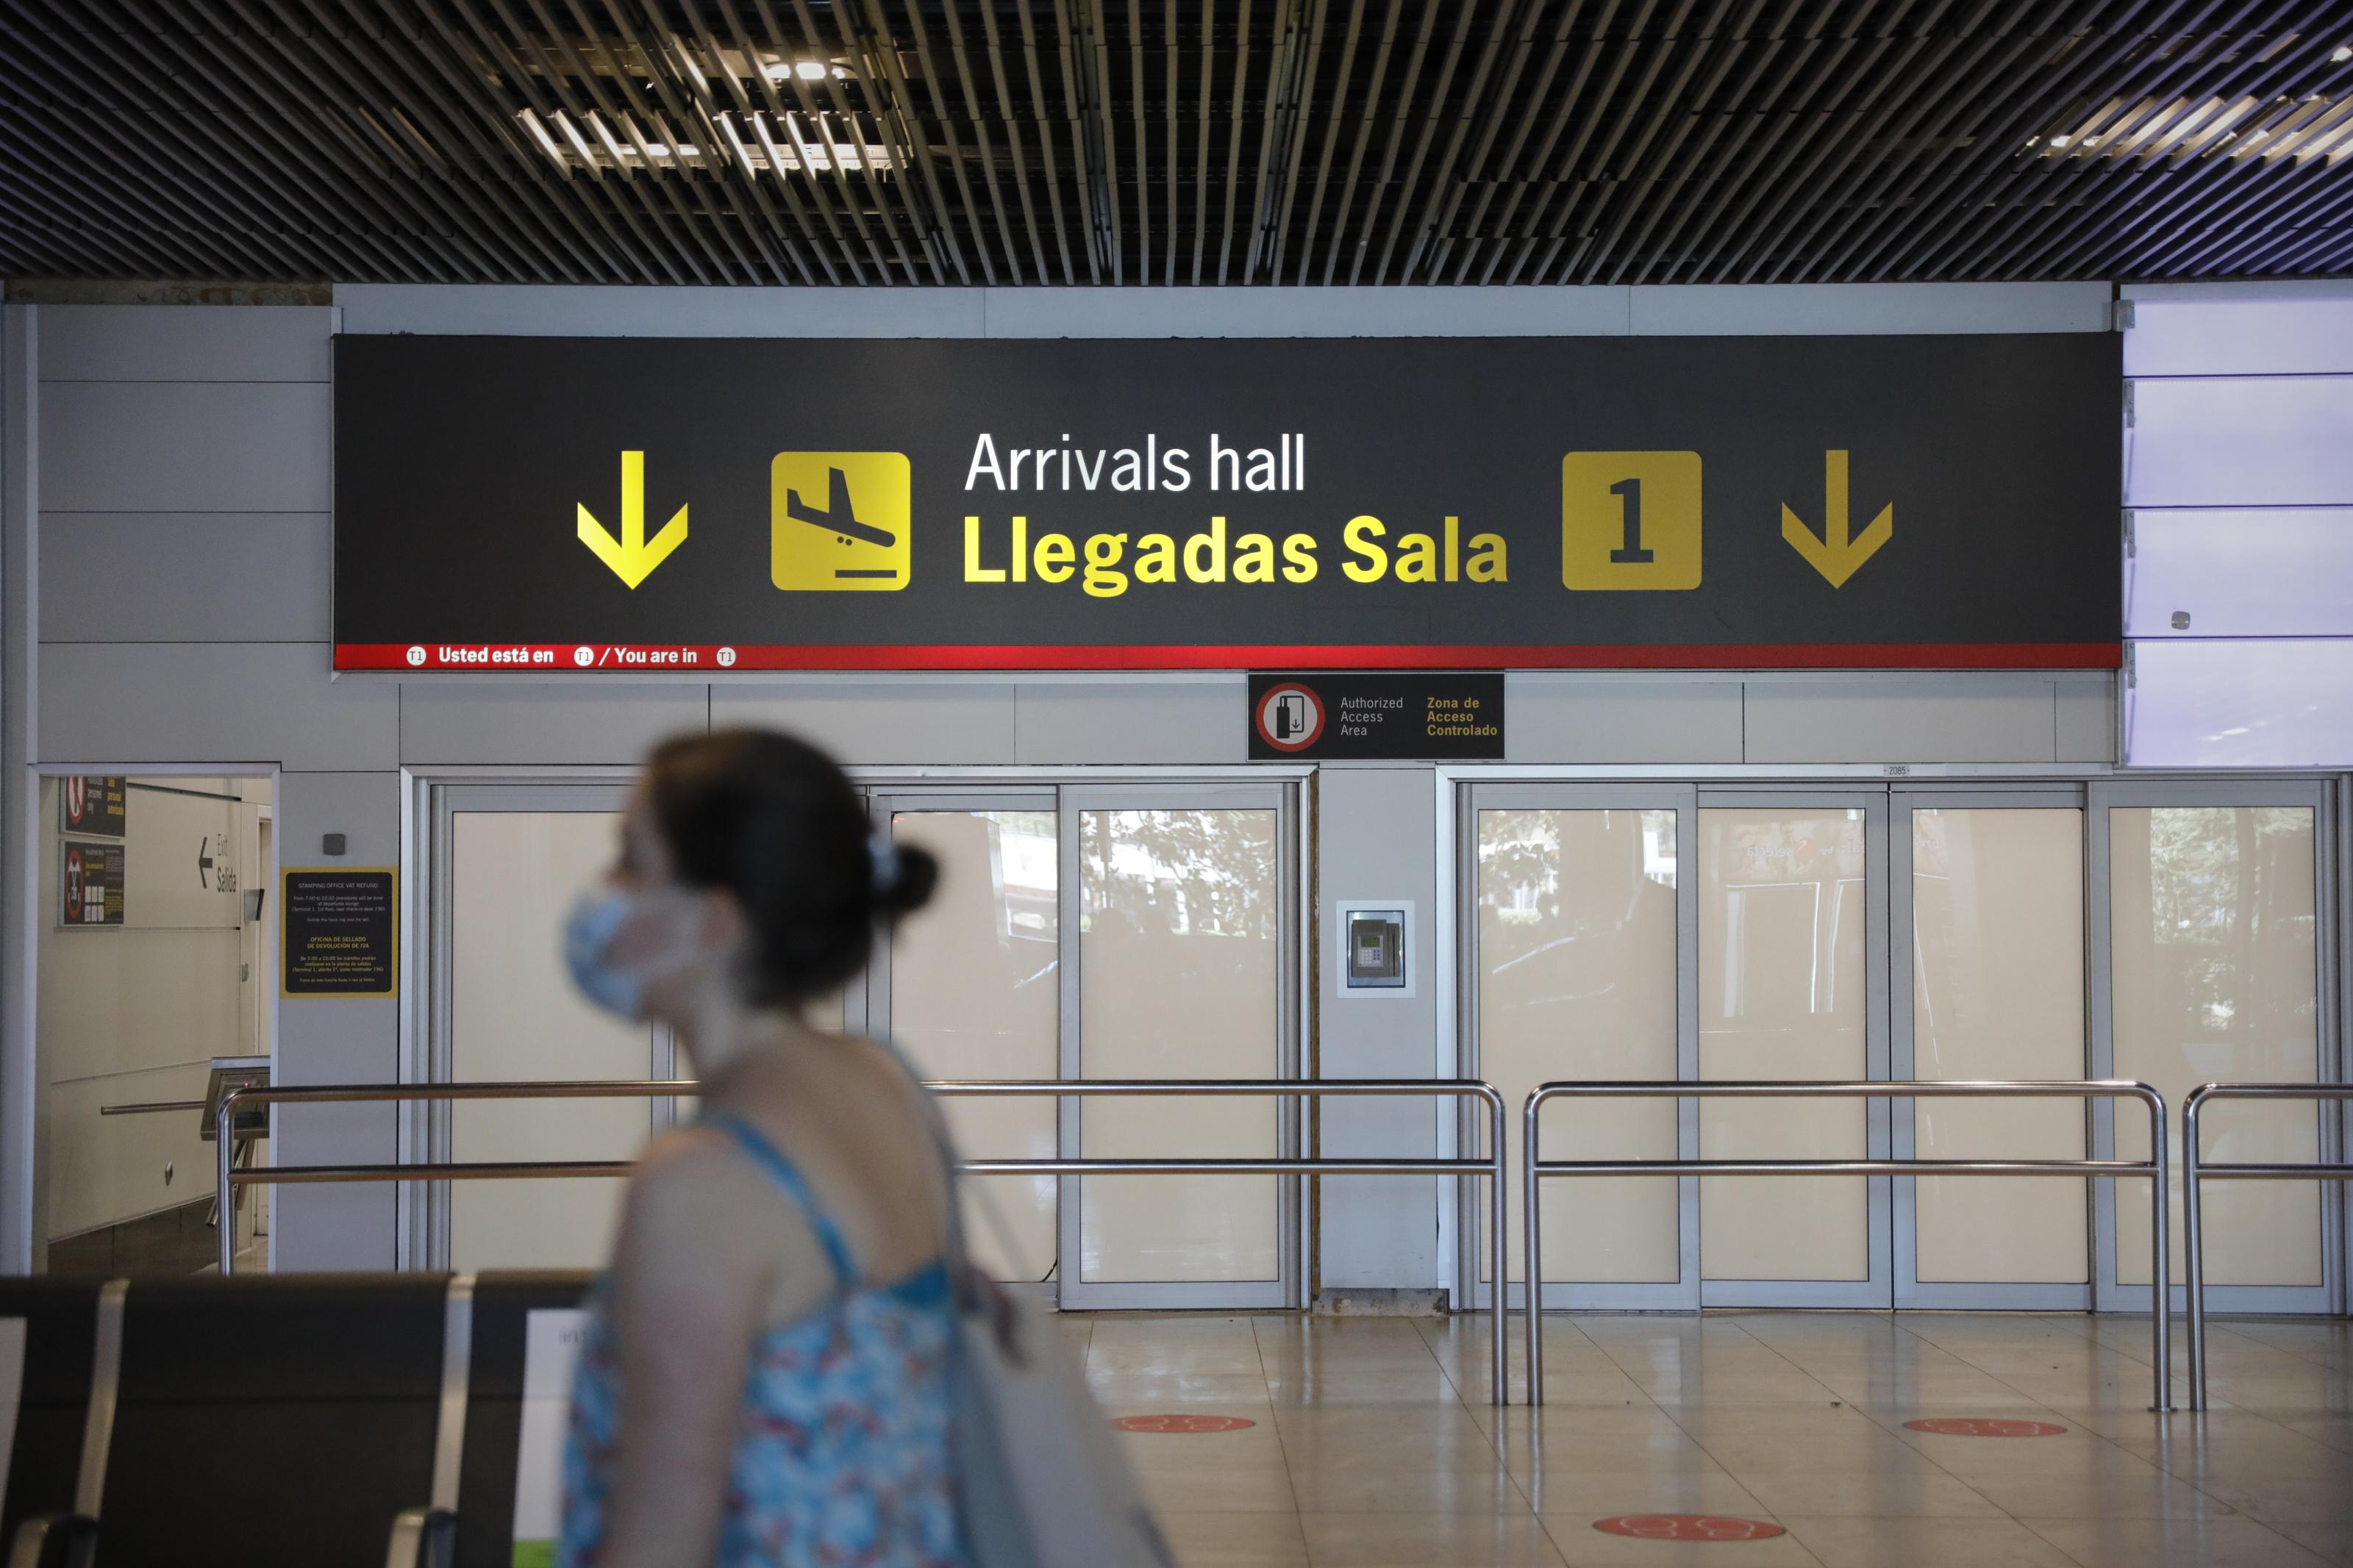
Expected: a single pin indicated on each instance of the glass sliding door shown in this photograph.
(1579, 934)
(1792, 984)
(1989, 899)
(1184, 965)
(508, 861)
(969, 987)
(2216, 972)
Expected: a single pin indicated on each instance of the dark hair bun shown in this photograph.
(777, 823)
(912, 873)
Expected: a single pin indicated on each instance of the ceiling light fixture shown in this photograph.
(2344, 52)
(813, 147)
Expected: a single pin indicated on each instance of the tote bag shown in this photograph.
(1041, 1483)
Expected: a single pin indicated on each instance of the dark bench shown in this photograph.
(310, 1421)
(60, 1319)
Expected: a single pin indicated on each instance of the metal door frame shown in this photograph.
(1474, 796)
(2329, 1023)
(1264, 793)
(1911, 1291)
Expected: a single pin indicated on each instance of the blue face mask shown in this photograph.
(596, 918)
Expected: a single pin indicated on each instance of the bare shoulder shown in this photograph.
(685, 1177)
(682, 1157)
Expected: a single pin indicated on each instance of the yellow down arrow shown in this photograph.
(1836, 554)
(633, 556)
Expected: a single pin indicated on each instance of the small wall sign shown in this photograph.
(89, 884)
(94, 805)
(341, 930)
(1403, 716)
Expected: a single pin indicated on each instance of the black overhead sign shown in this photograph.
(631, 504)
(1403, 716)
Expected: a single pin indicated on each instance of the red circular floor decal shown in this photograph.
(1180, 1423)
(1984, 1427)
(1688, 1527)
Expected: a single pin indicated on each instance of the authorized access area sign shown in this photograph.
(1406, 716)
(563, 505)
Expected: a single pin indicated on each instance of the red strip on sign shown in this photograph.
(625, 658)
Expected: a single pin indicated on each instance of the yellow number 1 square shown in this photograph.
(1630, 521)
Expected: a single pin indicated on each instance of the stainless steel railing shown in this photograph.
(1493, 1168)
(1533, 1168)
(2195, 1169)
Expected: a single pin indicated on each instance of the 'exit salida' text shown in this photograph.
(1105, 564)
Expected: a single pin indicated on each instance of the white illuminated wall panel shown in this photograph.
(2239, 478)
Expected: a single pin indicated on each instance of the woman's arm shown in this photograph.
(689, 1288)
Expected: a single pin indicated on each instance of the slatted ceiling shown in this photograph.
(1175, 141)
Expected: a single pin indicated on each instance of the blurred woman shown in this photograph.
(764, 1379)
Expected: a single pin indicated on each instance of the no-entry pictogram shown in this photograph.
(1984, 1427)
(1687, 1527)
(1180, 1423)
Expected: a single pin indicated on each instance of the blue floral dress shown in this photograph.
(843, 1448)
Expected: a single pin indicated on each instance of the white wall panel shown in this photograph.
(943, 722)
(545, 721)
(1143, 722)
(1375, 840)
(2242, 403)
(1944, 719)
(2278, 702)
(186, 577)
(176, 343)
(231, 703)
(2088, 720)
(1307, 313)
(1551, 718)
(107, 1169)
(332, 1039)
(628, 312)
(1388, 311)
(120, 445)
(2273, 440)
(2267, 329)
(21, 1196)
(2241, 572)
(1778, 309)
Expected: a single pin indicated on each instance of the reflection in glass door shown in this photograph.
(1581, 913)
(2171, 931)
(1792, 966)
(968, 986)
(2216, 973)
(510, 860)
(1990, 897)
(1184, 967)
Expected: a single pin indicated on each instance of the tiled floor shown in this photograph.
(1373, 1445)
